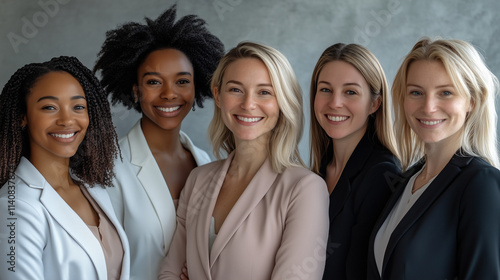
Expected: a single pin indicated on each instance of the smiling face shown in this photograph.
(343, 101)
(56, 116)
(165, 88)
(434, 109)
(247, 100)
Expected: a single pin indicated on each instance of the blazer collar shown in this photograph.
(150, 177)
(428, 197)
(249, 199)
(64, 215)
(353, 167)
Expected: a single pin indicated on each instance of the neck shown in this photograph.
(437, 156)
(54, 170)
(249, 157)
(343, 149)
(161, 140)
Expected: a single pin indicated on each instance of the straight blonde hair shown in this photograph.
(472, 78)
(283, 143)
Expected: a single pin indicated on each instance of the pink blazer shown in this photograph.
(276, 230)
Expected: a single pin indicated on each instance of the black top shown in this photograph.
(355, 204)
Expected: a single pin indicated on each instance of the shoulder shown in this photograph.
(200, 155)
(300, 177)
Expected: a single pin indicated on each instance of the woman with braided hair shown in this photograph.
(160, 69)
(57, 150)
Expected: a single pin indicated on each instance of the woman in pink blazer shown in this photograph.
(258, 214)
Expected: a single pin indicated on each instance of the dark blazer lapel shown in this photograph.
(353, 167)
(253, 194)
(435, 189)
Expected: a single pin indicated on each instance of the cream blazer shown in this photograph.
(50, 240)
(276, 230)
(143, 203)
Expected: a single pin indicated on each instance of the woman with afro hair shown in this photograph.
(160, 69)
(57, 150)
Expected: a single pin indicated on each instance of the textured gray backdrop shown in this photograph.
(37, 30)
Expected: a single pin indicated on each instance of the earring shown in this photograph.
(193, 109)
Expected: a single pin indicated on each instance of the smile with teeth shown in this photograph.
(431, 122)
(63, 135)
(336, 118)
(249, 120)
(168, 109)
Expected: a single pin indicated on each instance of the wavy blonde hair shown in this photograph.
(283, 144)
(472, 79)
(371, 70)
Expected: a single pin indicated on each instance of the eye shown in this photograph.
(265, 92)
(48, 107)
(446, 93)
(79, 107)
(184, 81)
(153, 82)
(415, 93)
(350, 92)
(325, 90)
(234, 90)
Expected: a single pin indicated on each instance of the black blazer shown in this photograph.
(451, 232)
(355, 204)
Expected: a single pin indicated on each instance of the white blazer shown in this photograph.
(41, 237)
(143, 203)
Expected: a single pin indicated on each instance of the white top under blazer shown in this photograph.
(47, 239)
(143, 203)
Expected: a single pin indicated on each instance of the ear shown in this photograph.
(24, 122)
(216, 96)
(135, 89)
(471, 105)
(375, 104)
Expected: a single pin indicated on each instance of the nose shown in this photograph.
(248, 102)
(336, 101)
(65, 117)
(168, 92)
(429, 103)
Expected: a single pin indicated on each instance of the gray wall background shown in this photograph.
(37, 30)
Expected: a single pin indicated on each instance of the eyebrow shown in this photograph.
(55, 98)
(346, 84)
(158, 74)
(440, 86)
(241, 84)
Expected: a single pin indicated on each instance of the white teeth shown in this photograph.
(168, 109)
(431, 122)
(63, 135)
(337, 119)
(248, 119)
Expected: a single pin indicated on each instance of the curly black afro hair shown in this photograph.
(126, 48)
(93, 161)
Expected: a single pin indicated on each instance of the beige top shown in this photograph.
(108, 238)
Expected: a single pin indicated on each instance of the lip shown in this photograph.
(169, 111)
(247, 120)
(336, 118)
(430, 122)
(64, 136)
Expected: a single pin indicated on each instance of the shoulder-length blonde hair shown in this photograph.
(371, 70)
(283, 144)
(472, 78)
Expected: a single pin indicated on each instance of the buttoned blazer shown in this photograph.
(143, 203)
(276, 230)
(355, 204)
(48, 238)
(451, 232)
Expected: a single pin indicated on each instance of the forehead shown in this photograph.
(340, 71)
(166, 61)
(59, 84)
(251, 69)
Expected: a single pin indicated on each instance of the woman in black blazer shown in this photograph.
(353, 150)
(443, 222)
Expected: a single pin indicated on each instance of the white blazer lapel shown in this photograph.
(75, 227)
(151, 179)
